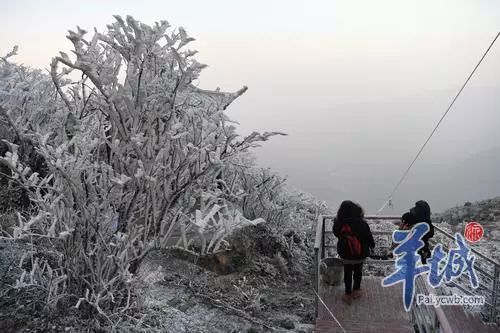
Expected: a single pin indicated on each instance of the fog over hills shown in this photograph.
(359, 151)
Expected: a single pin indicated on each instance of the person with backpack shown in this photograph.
(354, 245)
(422, 213)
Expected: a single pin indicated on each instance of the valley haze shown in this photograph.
(356, 85)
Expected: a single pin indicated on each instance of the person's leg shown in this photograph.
(428, 249)
(424, 253)
(348, 268)
(358, 274)
(347, 297)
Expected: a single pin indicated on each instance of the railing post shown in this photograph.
(316, 280)
(435, 322)
(494, 295)
(318, 253)
(322, 237)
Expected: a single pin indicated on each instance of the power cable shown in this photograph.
(389, 198)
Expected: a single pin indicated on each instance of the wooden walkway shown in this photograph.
(462, 321)
(380, 309)
(454, 318)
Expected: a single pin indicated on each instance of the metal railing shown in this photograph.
(321, 244)
(488, 270)
(427, 318)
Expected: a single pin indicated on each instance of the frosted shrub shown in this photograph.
(131, 148)
(262, 193)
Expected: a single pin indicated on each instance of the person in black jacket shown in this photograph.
(422, 213)
(352, 214)
(408, 220)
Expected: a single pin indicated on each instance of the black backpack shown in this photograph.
(349, 246)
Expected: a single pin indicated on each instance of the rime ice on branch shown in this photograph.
(134, 151)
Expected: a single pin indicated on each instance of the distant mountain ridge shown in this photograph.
(476, 178)
(473, 179)
(484, 212)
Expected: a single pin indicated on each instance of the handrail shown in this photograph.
(317, 240)
(496, 266)
(444, 324)
(373, 232)
(371, 217)
(465, 291)
(483, 256)
(424, 316)
(494, 308)
(398, 218)
(319, 248)
(394, 217)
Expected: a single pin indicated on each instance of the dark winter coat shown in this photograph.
(422, 212)
(360, 229)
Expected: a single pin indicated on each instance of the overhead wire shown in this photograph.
(390, 196)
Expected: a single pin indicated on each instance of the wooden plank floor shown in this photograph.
(380, 309)
(462, 321)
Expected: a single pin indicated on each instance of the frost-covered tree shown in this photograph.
(262, 193)
(132, 149)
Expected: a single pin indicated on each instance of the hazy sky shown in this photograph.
(357, 85)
